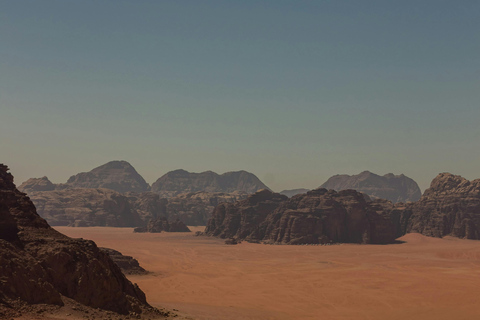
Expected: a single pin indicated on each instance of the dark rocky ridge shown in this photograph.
(451, 206)
(116, 175)
(162, 224)
(40, 265)
(319, 216)
(396, 188)
(181, 181)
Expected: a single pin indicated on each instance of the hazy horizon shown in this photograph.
(294, 92)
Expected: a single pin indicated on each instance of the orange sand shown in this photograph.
(424, 278)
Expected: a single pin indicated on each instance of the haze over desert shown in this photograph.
(240, 160)
(422, 278)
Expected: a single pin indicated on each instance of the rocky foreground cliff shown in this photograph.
(41, 265)
(320, 216)
(396, 188)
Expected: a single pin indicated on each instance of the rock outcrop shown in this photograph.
(37, 184)
(40, 265)
(319, 216)
(85, 207)
(451, 206)
(294, 192)
(396, 188)
(180, 181)
(116, 175)
(162, 224)
(127, 264)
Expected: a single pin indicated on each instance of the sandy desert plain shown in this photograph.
(422, 278)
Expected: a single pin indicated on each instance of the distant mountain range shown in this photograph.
(396, 188)
(115, 195)
(181, 181)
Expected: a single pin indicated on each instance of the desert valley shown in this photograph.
(329, 254)
(239, 160)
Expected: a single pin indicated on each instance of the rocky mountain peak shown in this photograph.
(37, 184)
(120, 176)
(445, 183)
(396, 188)
(180, 181)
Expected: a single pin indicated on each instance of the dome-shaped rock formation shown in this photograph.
(116, 175)
(396, 188)
(181, 181)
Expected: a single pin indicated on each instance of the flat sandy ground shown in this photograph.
(423, 278)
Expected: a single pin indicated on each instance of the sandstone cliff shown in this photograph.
(396, 188)
(319, 216)
(40, 265)
(451, 206)
(84, 207)
(88, 207)
(116, 175)
(181, 181)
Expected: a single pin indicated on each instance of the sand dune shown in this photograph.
(423, 278)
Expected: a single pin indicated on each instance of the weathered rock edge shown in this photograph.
(39, 264)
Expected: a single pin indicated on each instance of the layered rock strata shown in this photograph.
(319, 216)
(451, 206)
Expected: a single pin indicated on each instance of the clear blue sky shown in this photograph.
(293, 91)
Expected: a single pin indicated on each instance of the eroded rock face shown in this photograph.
(39, 264)
(451, 206)
(162, 224)
(320, 216)
(180, 181)
(396, 188)
(127, 264)
(84, 207)
(116, 175)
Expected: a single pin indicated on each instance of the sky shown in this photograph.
(292, 91)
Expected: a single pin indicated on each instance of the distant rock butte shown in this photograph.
(116, 175)
(162, 224)
(292, 192)
(181, 181)
(396, 188)
(41, 265)
(451, 206)
(319, 216)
